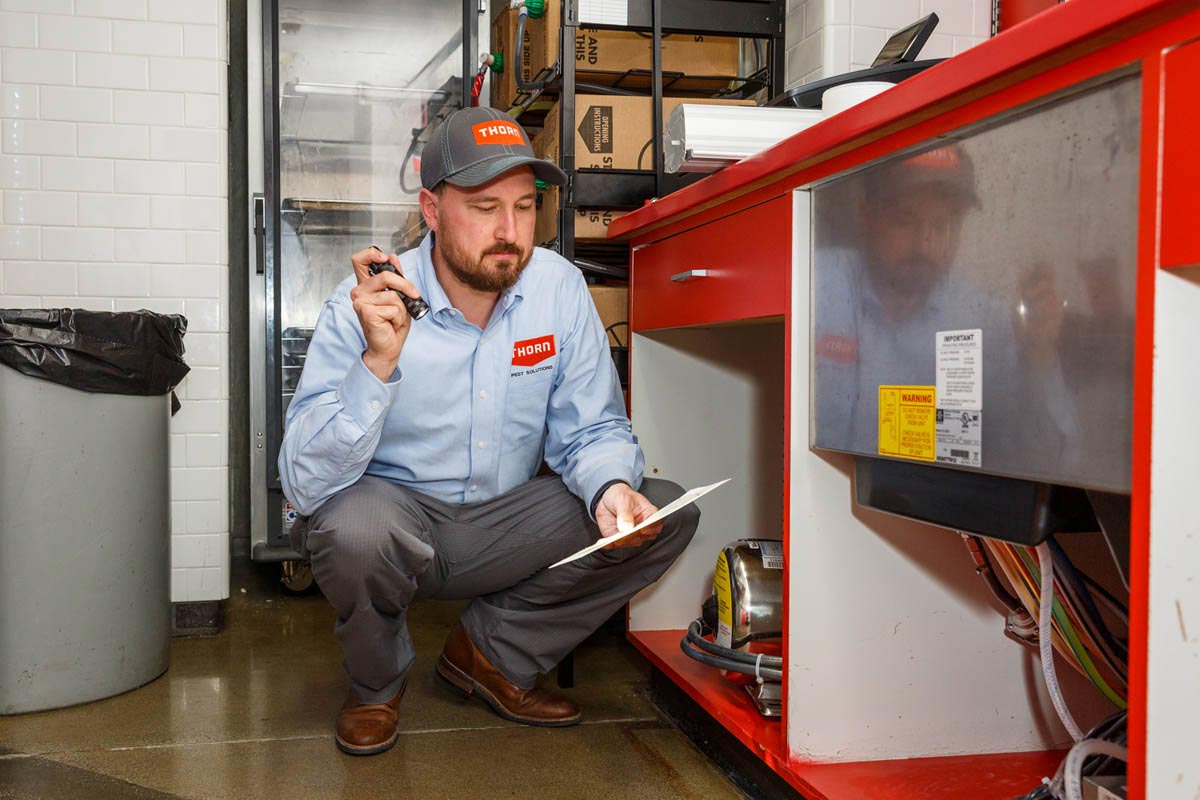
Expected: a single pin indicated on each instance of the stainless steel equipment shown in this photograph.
(748, 585)
(350, 90)
(744, 616)
(1020, 232)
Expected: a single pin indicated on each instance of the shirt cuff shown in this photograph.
(600, 493)
(364, 397)
(592, 485)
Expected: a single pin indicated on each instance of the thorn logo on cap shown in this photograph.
(497, 132)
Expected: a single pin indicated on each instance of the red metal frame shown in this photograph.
(1060, 48)
(997, 776)
(1014, 12)
(1179, 244)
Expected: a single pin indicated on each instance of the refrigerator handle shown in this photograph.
(260, 230)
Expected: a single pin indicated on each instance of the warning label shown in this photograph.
(907, 422)
(724, 592)
(960, 437)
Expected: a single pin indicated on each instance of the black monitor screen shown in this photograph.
(905, 44)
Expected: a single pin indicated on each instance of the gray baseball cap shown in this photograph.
(475, 145)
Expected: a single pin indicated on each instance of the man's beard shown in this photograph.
(472, 272)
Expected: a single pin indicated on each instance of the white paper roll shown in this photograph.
(839, 98)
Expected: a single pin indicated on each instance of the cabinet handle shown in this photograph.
(680, 277)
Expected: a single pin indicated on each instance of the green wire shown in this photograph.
(1072, 638)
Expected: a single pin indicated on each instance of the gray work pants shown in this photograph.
(376, 547)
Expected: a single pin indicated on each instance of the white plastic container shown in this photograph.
(705, 138)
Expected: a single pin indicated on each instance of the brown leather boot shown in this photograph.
(465, 667)
(364, 729)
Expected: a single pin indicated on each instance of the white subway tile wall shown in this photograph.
(831, 37)
(113, 197)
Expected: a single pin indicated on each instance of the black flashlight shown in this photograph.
(416, 306)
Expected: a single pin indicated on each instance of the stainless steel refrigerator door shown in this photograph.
(1020, 232)
(351, 88)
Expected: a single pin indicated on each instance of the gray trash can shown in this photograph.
(85, 605)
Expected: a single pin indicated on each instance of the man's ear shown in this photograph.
(429, 208)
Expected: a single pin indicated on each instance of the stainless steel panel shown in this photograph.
(1024, 228)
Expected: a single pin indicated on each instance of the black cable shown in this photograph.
(1085, 600)
(699, 649)
(1112, 729)
(609, 330)
(412, 148)
(767, 673)
(1121, 610)
(694, 637)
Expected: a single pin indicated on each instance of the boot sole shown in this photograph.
(369, 750)
(468, 686)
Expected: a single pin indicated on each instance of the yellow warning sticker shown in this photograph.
(724, 592)
(908, 422)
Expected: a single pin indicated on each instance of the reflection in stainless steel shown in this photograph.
(1024, 228)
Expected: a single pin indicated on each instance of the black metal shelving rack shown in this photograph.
(606, 188)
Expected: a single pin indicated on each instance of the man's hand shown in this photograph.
(621, 508)
(384, 320)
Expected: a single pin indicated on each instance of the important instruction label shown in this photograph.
(960, 437)
(907, 422)
(960, 369)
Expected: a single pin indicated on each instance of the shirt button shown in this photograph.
(474, 488)
(374, 405)
(483, 444)
(483, 393)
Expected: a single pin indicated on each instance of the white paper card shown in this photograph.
(670, 508)
(604, 12)
(960, 369)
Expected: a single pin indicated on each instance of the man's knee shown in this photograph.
(368, 528)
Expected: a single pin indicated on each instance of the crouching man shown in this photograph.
(411, 448)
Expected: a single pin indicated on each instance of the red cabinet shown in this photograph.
(734, 268)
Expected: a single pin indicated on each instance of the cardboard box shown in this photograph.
(612, 303)
(616, 52)
(690, 63)
(590, 224)
(540, 50)
(612, 131)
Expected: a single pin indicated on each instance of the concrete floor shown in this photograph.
(249, 714)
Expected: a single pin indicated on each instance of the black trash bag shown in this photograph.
(130, 352)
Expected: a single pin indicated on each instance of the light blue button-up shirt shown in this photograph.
(469, 414)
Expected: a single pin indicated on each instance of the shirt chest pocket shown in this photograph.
(525, 410)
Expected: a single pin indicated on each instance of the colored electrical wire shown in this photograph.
(1079, 589)
(1069, 633)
